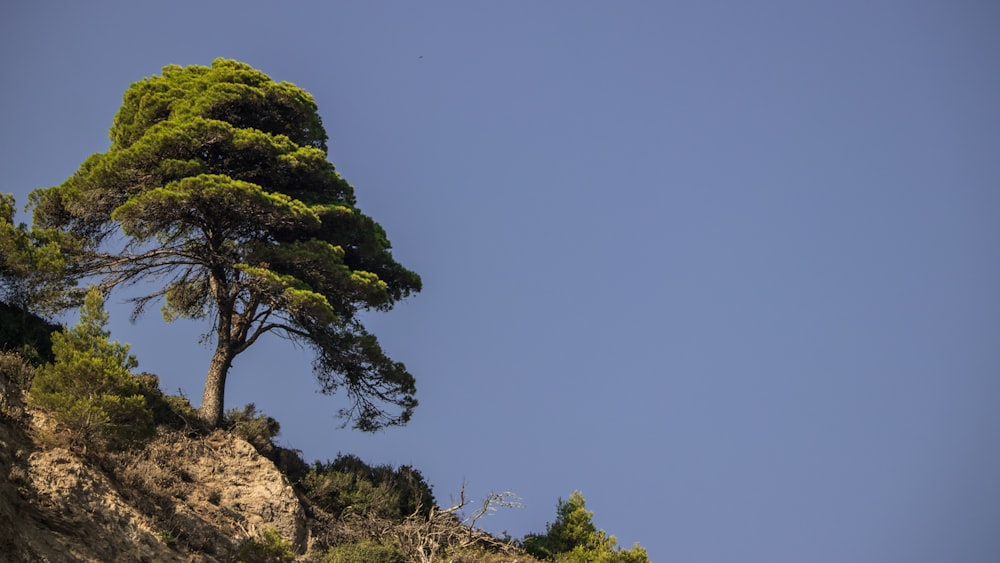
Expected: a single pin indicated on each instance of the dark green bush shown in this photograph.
(349, 485)
(173, 411)
(253, 426)
(27, 334)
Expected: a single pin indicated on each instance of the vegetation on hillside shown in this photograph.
(370, 513)
(217, 186)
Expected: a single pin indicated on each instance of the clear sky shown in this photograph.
(729, 268)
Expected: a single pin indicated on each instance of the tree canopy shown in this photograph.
(217, 187)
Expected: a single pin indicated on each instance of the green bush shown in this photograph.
(89, 389)
(367, 551)
(172, 411)
(254, 427)
(573, 538)
(348, 484)
(271, 547)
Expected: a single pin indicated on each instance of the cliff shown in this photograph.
(192, 497)
(176, 499)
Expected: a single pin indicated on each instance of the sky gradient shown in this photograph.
(728, 268)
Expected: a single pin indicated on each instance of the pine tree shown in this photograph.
(89, 389)
(573, 538)
(217, 188)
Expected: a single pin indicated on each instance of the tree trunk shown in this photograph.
(213, 400)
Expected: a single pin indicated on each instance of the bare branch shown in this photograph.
(428, 537)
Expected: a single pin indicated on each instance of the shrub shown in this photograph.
(261, 430)
(172, 411)
(348, 484)
(26, 333)
(270, 547)
(366, 551)
(89, 389)
(254, 427)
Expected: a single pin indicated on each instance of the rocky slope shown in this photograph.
(176, 499)
(180, 497)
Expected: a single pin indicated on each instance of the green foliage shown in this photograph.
(167, 537)
(573, 538)
(33, 282)
(270, 547)
(172, 411)
(366, 551)
(254, 427)
(219, 181)
(349, 485)
(33, 270)
(89, 389)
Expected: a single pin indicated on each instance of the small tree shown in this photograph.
(573, 538)
(89, 389)
(218, 179)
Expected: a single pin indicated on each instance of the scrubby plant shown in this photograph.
(349, 485)
(365, 551)
(270, 547)
(172, 411)
(167, 537)
(89, 390)
(261, 430)
(253, 426)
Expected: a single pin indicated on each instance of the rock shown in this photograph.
(177, 499)
(83, 518)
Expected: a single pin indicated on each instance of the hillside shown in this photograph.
(188, 494)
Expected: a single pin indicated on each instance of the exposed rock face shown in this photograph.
(85, 519)
(223, 481)
(177, 499)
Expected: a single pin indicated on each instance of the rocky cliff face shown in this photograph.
(176, 499)
(189, 495)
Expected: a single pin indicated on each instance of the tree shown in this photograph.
(573, 538)
(89, 388)
(33, 285)
(219, 181)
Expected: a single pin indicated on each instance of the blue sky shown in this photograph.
(728, 268)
